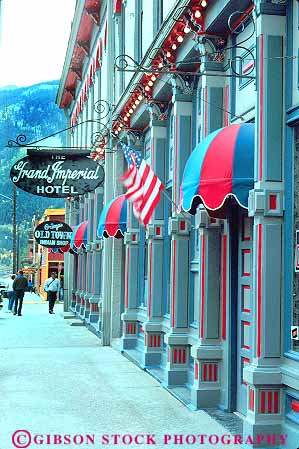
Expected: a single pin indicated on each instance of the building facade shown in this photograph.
(47, 260)
(205, 296)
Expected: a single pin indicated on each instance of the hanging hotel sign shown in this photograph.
(57, 176)
(53, 234)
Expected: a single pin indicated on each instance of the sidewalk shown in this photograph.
(57, 379)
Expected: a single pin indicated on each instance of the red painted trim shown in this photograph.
(204, 371)
(173, 282)
(202, 318)
(196, 370)
(92, 281)
(127, 278)
(224, 256)
(182, 225)
(150, 280)
(241, 18)
(259, 291)
(251, 399)
(184, 355)
(175, 355)
(180, 355)
(151, 340)
(295, 406)
(261, 100)
(215, 372)
(276, 401)
(210, 371)
(247, 66)
(273, 202)
(117, 6)
(269, 401)
(175, 168)
(105, 33)
(205, 122)
(263, 401)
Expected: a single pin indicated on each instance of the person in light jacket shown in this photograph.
(52, 286)
(10, 293)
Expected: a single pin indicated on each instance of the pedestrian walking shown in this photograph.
(52, 286)
(10, 293)
(30, 286)
(19, 285)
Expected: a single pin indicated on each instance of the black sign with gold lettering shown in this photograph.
(53, 234)
(57, 176)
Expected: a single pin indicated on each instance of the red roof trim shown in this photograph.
(117, 6)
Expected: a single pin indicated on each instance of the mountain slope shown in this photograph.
(30, 111)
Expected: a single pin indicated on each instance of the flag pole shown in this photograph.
(176, 206)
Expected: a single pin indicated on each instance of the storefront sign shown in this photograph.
(57, 176)
(53, 234)
(297, 253)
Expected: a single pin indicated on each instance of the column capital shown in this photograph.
(131, 237)
(182, 87)
(179, 225)
(158, 113)
(268, 202)
(155, 230)
(212, 52)
(270, 7)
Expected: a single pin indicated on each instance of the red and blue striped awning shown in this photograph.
(220, 171)
(79, 236)
(113, 219)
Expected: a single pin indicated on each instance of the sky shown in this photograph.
(34, 38)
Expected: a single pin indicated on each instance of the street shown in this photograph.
(56, 379)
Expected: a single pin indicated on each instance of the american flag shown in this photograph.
(143, 185)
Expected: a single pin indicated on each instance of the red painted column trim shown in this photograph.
(202, 317)
(263, 401)
(150, 280)
(127, 277)
(175, 168)
(224, 257)
(259, 290)
(261, 100)
(173, 282)
(276, 401)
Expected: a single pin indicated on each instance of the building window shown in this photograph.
(139, 26)
(158, 15)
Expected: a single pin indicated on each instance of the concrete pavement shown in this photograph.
(57, 379)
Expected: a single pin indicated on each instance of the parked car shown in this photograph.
(3, 288)
(1, 302)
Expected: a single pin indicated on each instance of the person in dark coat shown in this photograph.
(19, 285)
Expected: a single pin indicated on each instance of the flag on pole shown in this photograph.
(143, 185)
